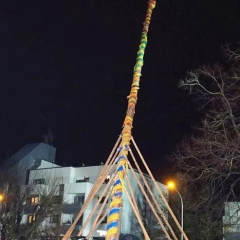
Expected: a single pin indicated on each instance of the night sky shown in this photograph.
(66, 70)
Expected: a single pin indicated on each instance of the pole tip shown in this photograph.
(152, 3)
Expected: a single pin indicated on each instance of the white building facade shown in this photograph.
(72, 185)
(66, 189)
(231, 221)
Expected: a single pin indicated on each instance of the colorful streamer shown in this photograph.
(114, 216)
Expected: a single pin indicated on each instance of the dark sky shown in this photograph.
(66, 68)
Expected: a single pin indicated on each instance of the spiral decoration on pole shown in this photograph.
(114, 215)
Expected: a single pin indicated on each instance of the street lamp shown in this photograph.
(1, 197)
(172, 186)
(2, 236)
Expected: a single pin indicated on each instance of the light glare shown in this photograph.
(171, 185)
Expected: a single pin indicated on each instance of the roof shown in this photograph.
(23, 152)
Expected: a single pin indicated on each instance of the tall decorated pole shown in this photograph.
(114, 216)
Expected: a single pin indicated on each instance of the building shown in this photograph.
(31, 156)
(231, 221)
(74, 185)
(66, 189)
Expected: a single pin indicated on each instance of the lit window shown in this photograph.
(31, 219)
(34, 200)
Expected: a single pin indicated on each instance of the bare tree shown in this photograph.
(25, 209)
(200, 220)
(209, 162)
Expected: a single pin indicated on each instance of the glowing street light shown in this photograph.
(172, 186)
(1, 197)
(1, 200)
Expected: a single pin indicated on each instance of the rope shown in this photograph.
(159, 191)
(153, 199)
(97, 222)
(136, 211)
(102, 176)
(138, 216)
(96, 206)
(121, 161)
(150, 204)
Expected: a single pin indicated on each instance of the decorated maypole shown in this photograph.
(114, 215)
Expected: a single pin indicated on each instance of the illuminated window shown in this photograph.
(31, 219)
(34, 200)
